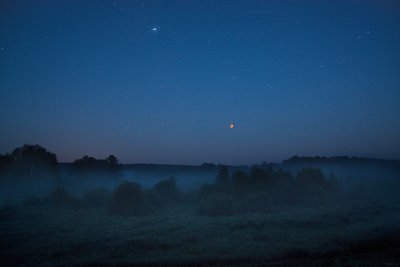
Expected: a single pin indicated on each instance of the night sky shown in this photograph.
(161, 81)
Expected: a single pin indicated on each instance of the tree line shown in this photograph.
(34, 161)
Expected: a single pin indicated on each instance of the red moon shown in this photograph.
(231, 126)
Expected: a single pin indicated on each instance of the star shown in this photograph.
(155, 29)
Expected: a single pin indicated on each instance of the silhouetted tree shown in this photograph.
(85, 162)
(283, 177)
(207, 165)
(206, 189)
(90, 165)
(257, 175)
(59, 197)
(168, 188)
(112, 160)
(33, 160)
(97, 197)
(217, 204)
(222, 181)
(285, 189)
(312, 186)
(261, 178)
(7, 213)
(5, 163)
(311, 176)
(333, 183)
(128, 199)
(240, 182)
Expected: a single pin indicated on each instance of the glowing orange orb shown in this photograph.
(231, 126)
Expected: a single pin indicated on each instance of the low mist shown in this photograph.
(93, 212)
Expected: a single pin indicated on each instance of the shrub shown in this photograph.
(315, 195)
(58, 197)
(284, 178)
(157, 200)
(257, 202)
(97, 197)
(7, 213)
(285, 194)
(222, 181)
(333, 184)
(128, 199)
(356, 192)
(217, 204)
(241, 182)
(33, 201)
(311, 177)
(261, 178)
(61, 198)
(168, 189)
(206, 190)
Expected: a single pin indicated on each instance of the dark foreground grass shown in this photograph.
(352, 233)
(379, 250)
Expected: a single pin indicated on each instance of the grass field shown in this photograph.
(352, 232)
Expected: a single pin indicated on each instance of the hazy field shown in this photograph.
(87, 214)
(333, 234)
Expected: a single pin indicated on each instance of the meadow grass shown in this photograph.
(45, 235)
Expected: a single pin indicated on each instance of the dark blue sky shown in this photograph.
(160, 81)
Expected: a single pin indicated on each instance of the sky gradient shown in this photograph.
(160, 81)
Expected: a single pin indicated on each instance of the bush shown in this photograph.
(222, 181)
(285, 194)
(97, 197)
(61, 198)
(168, 189)
(333, 184)
(356, 192)
(261, 178)
(7, 213)
(311, 177)
(217, 204)
(156, 200)
(33, 201)
(128, 199)
(206, 190)
(315, 195)
(240, 182)
(257, 202)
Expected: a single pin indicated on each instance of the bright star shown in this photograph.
(155, 29)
